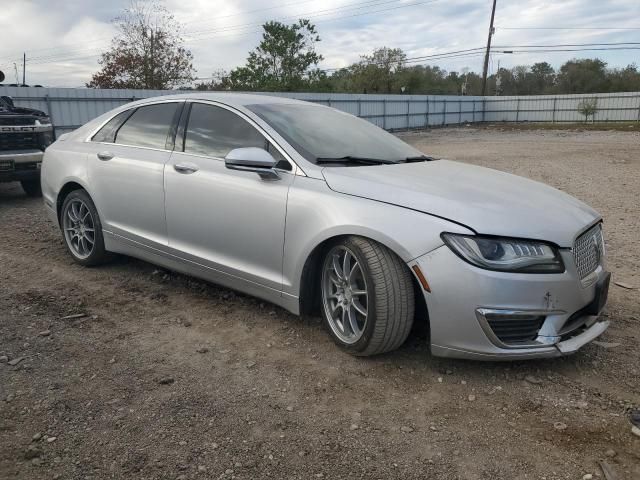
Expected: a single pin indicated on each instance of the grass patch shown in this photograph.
(579, 126)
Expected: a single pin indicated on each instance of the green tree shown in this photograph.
(285, 60)
(583, 76)
(147, 52)
(543, 77)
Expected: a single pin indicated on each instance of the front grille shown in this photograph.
(588, 251)
(16, 120)
(514, 329)
(19, 141)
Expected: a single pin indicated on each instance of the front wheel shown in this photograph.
(32, 187)
(82, 230)
(367, 297)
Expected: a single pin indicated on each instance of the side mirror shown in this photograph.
(252, 159)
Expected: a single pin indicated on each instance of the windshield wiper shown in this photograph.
(419, 158)
(353, 159)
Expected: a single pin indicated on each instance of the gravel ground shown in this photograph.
(162, 376)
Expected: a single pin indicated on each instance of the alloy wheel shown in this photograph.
(345, 295)
(79, 228)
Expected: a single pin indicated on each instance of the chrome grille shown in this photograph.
(588, 251)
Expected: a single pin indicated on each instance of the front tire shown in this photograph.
(32, 187)
(82, 230)
(367, 297)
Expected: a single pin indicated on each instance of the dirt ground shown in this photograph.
(167, 377)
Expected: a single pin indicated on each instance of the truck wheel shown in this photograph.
(82, 230)
(367, 297)
(32, 187)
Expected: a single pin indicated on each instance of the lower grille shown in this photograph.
(588, 251)
(19, 141)
(513, 329)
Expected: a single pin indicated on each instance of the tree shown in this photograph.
(285, 60)
(147, 52)
(543, 77)
(583, 76)
(588, 107)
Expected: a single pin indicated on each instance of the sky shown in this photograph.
(63, 39)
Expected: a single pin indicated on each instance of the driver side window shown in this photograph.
(214, 132)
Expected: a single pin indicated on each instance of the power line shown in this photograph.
(54, 58)
(568, 28)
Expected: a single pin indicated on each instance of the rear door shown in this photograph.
(126, 171)
(228, 220)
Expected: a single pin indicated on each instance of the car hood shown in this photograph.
(485, 200)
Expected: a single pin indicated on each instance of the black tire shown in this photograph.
(32, 187)
(98, 253)
(390, 298)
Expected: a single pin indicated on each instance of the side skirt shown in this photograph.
(119, 244)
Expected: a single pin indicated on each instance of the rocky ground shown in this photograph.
(129, 371)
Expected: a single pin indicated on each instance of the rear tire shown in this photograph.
(31, 187)
(82, 230)
(370, 309)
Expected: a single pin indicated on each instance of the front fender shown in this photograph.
(315, 214)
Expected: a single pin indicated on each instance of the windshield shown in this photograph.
(320, 133)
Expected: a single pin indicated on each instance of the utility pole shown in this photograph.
(486, 57)
(24, 66)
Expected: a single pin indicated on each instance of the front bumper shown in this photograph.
(20, 165)
(462, 295)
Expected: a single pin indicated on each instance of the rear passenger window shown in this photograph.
(148, 126)
(215, 131)
(108, 131)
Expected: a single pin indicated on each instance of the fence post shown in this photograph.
(553, 114)
(473, 118)
(328, 102)
(359, 107)
(444, 112)
(484, 107)
(426, 115)
(460, 112)
(639, 109)
(518, 110)
(384, 114)
(408, 109)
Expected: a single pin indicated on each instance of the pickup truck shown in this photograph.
(24, 135)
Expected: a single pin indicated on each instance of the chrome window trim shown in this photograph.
(296, 170)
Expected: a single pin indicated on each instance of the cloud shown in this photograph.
(62, 38)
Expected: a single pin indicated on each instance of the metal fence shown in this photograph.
(71, 107)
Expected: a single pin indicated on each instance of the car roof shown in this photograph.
(228, 98)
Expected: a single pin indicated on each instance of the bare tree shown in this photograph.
(147, 52)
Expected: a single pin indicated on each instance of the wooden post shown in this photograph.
(384, 114)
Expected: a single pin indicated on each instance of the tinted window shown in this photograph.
(214, 131)
(148, 126)
(108, 131)
(321, 132)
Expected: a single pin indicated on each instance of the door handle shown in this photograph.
(185, 168)
(104, 156)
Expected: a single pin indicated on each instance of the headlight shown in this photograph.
(505, 254)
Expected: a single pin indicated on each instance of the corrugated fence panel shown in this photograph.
(72, 107)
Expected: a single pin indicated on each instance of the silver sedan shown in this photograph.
(316, 210)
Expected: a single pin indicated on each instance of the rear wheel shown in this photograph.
(32, 187)
(367, 297)
(82, 230)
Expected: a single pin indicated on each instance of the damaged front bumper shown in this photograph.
(487, 315)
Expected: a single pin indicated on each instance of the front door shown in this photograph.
(230, 221)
